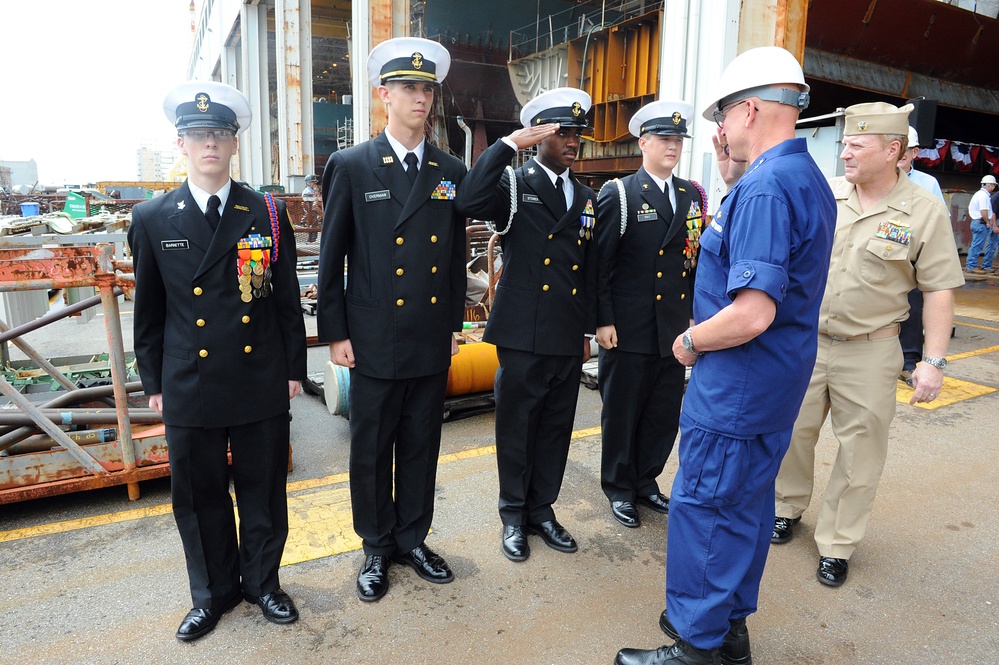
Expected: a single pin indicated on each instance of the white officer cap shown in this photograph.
(663, 117)
(208, 104)
(408, 59)
(565, 106)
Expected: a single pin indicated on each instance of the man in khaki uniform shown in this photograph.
(891, 236)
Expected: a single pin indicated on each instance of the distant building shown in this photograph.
(154, 162)
(21, 173)
(5, 178)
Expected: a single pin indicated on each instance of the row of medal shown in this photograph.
(254, 274)
(587, 220)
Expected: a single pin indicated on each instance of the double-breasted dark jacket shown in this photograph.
(545, 295)
(404, 291)
(218, 360)
(646, 276)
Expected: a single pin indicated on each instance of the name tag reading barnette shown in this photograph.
(531, 198)
(380, 195)
(166, 245)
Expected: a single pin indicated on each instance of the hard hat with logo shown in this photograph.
(753, 73)
(913, 137)
(989, 180)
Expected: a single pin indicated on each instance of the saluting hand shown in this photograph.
(730, 169)
(528, 136)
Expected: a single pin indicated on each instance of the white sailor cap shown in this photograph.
(663, 117)
(408, 59)
(207, 104)
(565, 106)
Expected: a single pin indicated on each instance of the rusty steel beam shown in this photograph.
(49, 428)
(77, 417)
(54, 488)
(39, 359)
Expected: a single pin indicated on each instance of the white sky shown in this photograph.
(84, 82)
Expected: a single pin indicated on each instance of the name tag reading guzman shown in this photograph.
(380, 195)
(174, 244)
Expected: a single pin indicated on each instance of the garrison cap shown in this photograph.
(876, 118)
(207, 104)
(665, 118)
(408, 59)
(564, 106)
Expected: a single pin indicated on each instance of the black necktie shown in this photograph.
(668, 212)
(412, 167)
(212, 214)
(561, 193)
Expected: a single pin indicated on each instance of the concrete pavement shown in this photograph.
(94, 578)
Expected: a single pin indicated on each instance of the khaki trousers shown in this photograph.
(854, 383)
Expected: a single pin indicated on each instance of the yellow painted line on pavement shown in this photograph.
(953, 391)
(972, 354)
(84, 523)
(320, 521)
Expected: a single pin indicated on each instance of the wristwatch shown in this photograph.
(688, 343)
(939, 363)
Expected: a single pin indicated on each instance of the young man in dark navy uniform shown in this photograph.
(542, 310)
(648, 226)
(390, 213)
(220, 342)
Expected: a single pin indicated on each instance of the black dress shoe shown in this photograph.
(625, 513)
(515, 546)
(734, 650)
(783, 529)
(656, 502)
(678, 653)
(372, 579)
(832, 572)
(554, 535)
(427, 564)
(200, 622)
(277, 606)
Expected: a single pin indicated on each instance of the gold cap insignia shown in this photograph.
(202, 102)
(677, 117)
(862, 126)
(417, 60)
(577, 109)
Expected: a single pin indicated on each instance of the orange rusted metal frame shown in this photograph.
(32, 268)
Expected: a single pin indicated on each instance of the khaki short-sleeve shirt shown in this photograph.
(880, 255)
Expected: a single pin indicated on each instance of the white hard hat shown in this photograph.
(913, 137)
(989, 180)
(753, 73)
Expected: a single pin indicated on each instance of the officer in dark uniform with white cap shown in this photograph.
(648, 230)
(390, 213)
(543, 307)
(220, 343)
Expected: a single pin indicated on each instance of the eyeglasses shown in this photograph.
(202, 135)
(719, 114)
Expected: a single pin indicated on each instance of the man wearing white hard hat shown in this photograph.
(648, 225)
(891, 236)
(763, 262)
(542, 310)
(389, 211)
(983, 227)
(220, 343)
(911, 333)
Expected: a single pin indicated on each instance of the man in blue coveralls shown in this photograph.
(761, 274)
